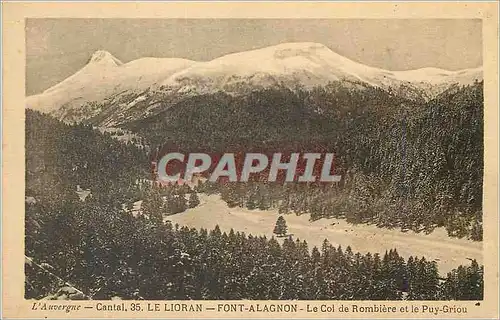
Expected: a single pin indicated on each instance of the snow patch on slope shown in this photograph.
(448, 252)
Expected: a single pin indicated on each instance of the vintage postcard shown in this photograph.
(250, 160)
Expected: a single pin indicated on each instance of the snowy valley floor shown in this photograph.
(448, 252)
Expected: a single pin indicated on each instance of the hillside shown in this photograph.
(405, 164)
(96, 248)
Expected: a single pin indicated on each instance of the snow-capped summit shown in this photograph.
(104, 57)
(105, 76)
(306, 64)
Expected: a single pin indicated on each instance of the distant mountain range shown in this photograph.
(114, 92)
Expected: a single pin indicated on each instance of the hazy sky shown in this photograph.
(56, 48)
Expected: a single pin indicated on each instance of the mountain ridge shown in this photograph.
(304, 64)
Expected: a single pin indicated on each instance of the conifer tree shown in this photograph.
(194, 200)
(152, 206)
(280, 228)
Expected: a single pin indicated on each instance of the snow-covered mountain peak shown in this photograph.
(306, 63)
(282, 51)
(295, 64)
(105, 76)
(104, 57)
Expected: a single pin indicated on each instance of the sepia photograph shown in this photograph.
(402, 114)
(229, 164)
